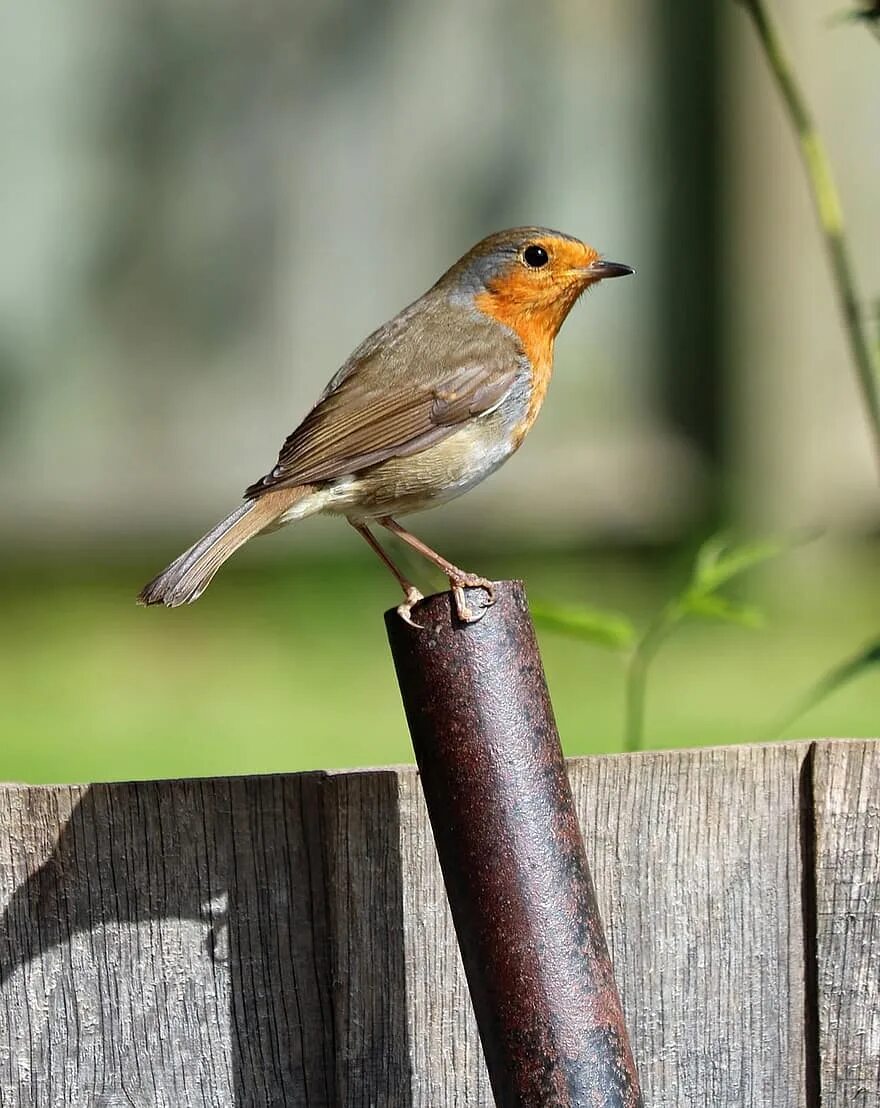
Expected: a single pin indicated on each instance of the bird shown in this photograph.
(427, 406)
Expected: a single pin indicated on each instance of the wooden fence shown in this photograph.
(286, 941)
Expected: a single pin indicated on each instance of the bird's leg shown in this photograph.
(413, 596)
(458, 579)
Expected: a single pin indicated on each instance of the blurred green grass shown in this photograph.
(284, 666)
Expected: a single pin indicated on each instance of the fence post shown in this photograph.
(512, 856)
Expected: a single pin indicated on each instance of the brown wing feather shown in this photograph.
(350, 429)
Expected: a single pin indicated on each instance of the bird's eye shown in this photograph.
(535, 257)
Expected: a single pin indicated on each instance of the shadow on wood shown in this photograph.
(255, 924)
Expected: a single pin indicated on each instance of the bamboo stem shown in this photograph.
(826, 200)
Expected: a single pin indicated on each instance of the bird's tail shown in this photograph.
(189, 575)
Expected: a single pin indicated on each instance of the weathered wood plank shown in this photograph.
(164, 944)
(286, 941)
(696, 861)
(364, 883)
(448, 1065)
(846, 790)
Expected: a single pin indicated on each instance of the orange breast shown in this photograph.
(536, 327)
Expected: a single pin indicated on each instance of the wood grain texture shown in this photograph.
(163, 944)
(695, 856)
(846, 788)
(364, 883)
(286, 940)
(448, 1066)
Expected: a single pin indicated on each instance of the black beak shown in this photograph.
(601, 269)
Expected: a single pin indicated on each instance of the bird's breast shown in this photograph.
(535, 329)
(540, 382)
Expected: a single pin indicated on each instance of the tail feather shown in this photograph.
(189, 575)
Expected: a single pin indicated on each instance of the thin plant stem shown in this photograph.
(828, 209)
(637, 679)
(636, 682)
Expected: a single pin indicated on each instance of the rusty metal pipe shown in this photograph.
(512, 855)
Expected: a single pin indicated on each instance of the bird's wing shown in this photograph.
(353, 427)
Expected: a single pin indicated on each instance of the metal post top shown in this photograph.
(438, 610)
(513, 861)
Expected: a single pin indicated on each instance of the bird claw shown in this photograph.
(471, 581)
(404, 610)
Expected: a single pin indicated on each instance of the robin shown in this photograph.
(425, 408)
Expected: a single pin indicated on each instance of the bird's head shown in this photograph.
(530, 276)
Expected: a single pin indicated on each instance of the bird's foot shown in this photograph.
(404, 610)
(461, 581)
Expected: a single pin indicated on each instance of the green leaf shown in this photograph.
(869, 12)
(710, 606)
(612, 630)
(707, 557)
(719, 560)
(835, 679)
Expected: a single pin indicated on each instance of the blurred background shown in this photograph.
(207, 206)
